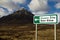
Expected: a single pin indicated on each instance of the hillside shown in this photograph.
(19, 17)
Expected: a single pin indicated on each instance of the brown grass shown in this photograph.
(27, 32)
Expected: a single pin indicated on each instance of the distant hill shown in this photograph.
(19, 17)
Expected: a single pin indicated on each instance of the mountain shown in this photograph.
(19, 17)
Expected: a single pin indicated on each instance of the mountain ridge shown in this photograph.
(19, 17)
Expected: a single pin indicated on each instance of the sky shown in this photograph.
(35, 6)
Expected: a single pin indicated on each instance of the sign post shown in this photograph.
(46, 19)
(36, 33)
(54, 31)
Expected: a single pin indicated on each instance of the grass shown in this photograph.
(27, 32)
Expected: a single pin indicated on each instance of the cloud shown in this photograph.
(57, 5)
(20, 1)
(12, 4)
(2, 12)
(39, 12)
(38, 5)
(4, 1)
(9, 5)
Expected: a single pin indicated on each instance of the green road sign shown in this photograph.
(45, 19)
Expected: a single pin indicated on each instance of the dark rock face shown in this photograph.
(19, 17)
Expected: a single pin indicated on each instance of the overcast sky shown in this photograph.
(35, 6)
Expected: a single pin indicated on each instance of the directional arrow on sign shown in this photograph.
(37, 19)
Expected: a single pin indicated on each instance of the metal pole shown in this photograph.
(36, 38)
(54, 31)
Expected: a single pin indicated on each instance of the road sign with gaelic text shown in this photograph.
(45, 19)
